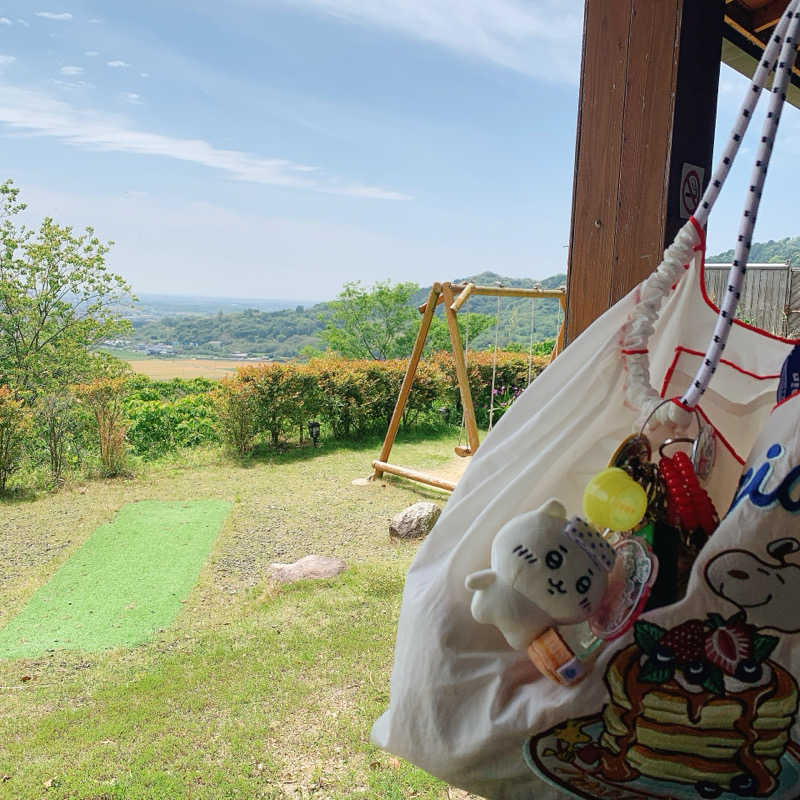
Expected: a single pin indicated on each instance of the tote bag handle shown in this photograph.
(780, 52)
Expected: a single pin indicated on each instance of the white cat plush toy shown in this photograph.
(545, 570)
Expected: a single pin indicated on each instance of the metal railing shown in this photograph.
(770, 295)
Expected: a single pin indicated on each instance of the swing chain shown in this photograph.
(494, 363)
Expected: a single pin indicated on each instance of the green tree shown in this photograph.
(439, 333)
(372, 322)
(57, 298)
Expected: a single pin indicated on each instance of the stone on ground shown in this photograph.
(415, 521)
(307, 567)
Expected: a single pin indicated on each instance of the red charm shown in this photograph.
(688, 504)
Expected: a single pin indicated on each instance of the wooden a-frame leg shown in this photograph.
(461, 369)
(408, 380)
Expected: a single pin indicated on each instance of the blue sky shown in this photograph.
(277, 149)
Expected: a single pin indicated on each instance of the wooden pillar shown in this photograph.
(647, 105)
(695, 114)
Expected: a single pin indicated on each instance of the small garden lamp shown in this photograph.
(445, 412)
(313, 431)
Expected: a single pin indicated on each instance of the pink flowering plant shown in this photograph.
(504, 397)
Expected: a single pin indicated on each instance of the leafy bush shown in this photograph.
(273, 394)
(15, 425)
(104, 398)
(234, 403)
(140, 387)
(157, 427)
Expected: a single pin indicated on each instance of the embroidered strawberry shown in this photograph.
(730, 644)
(685, 642)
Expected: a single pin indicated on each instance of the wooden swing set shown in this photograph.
(453, 295)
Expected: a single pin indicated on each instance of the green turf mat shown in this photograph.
(125, 582)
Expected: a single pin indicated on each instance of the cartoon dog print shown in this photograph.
(769, 593)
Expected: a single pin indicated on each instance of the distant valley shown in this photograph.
(242, 329)
(247, 328)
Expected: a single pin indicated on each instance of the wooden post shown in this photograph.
(461, 370)
(559, 345)
(408, 380)
(634, 137)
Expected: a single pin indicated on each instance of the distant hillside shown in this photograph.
(152, 307)
(770, 252)
(284, 333)
(271, 334)
(515, 314)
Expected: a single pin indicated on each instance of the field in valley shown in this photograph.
(167, 368)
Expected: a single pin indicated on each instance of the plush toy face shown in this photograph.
(562, 569)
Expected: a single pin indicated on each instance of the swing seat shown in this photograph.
(462, 451)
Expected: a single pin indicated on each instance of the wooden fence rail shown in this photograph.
(770, 296)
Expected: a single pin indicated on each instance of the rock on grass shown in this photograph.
(415, 521)
(307, 567)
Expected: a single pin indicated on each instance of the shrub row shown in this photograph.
(352, 398)
(95, 426)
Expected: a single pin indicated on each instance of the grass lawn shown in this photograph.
(256, 690)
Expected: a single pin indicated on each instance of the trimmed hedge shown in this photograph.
(354, 398)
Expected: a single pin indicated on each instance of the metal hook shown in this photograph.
(664, 402)
(650, 415)
(676, 440)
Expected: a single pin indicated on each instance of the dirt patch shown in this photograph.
(452, 470)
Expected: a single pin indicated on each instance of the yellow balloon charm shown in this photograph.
(613, 500)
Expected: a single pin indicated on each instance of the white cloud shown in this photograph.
(5, 21)
(70, 70)
(4, 60)
(166, 244)
(24, 23)
(95, 21)
(63, 16)
(134, 98)
(37, 114)
(117, 64)
(539, 38)
(92, 53)
(144, 74)
(74, 84)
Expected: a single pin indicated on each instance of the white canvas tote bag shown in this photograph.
(469, 709)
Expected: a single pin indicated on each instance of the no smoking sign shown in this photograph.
(691, 189)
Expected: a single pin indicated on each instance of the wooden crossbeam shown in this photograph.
(500, 291)
(463, 297)
(412, 474)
